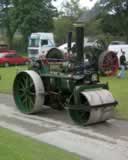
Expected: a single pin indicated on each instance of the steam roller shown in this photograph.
(74, 85)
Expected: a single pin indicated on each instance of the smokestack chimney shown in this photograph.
(80, 43)
(69, 41)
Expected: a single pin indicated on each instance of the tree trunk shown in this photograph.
(25, 39)
(10, 41)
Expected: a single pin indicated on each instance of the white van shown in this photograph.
(118, 49)
(39, 44)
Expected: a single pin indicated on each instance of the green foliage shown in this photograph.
(18, 43)
(92, 28)
(68, 15)
(38, 17)
(72, 9)
(26, 16)
(115, 20)
(108, 21)
(104, 40)
(10, 17)
(62, 26)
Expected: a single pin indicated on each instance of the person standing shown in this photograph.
(122, 65)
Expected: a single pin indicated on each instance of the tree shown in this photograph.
(72, 9)
(10, 17)
(62, 26)
(68, 15)
(38, 17)
(115, 20)
(26, 16)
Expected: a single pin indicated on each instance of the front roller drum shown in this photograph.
(98, 107)
(28, 92)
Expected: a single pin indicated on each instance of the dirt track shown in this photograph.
(97, 142)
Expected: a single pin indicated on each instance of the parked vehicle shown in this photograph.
(7, 59)
(40, 43)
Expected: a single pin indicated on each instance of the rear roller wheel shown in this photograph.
(28, 91)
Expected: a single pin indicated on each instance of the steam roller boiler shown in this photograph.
(73, 86)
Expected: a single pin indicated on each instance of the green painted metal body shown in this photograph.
(64, 82)
(67, 83)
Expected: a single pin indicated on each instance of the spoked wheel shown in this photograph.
(108, 63)
(28, 91)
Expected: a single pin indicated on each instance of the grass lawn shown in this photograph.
(118, 87)
(7, 76)
(16, 147)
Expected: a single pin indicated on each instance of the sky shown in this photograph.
(83, 3)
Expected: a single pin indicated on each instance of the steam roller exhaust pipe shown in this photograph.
(96, 106)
